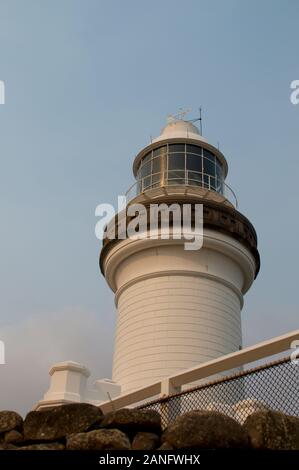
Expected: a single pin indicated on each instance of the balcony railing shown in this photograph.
(182, 178)
(173, 384)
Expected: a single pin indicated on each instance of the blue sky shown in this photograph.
(87, 84)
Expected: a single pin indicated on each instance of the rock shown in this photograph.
(205, 430)
(13, 436)
(44, 446)
(101, 439)
(133, 420)
(246, 407)
(145, 441)
(272, 430)
(165, 446)
(221, 407)
(60, 421)
(4, 446)
(10, 420)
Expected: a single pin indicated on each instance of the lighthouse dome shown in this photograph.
(180, 129)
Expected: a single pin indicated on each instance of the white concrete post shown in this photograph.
(68, 382)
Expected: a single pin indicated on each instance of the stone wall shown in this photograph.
(84, 427)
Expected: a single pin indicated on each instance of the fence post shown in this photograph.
(169, 408)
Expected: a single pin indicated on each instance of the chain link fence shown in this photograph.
(272, 386)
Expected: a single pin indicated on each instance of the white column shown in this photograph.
(68, 382)
(176, 308)
(173, 322)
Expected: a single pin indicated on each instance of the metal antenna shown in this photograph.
(200, 121)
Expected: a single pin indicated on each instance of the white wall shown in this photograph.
(176, 308)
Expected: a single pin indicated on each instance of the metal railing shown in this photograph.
(179, 178)
(172, 385)
(271, 386)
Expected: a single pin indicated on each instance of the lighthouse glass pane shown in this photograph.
(156, 165)
(146, 169)
(156, 180)
(159, 151)
(176, 177)
(176, 148)
(209, 167)
(194, 163)
(146, 158)
(147, 182)
(212, 183)
(176, 161)
(209, 155)
(194, 149)
(194, 178)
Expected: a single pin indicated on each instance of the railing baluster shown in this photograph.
(191, 178)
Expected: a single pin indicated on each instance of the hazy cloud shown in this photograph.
(34, 344)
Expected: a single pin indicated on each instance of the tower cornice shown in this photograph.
(216, 216)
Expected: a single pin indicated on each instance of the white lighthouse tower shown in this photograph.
(178, 308)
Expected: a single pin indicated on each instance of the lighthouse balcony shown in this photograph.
(183, 181)
(181, 165)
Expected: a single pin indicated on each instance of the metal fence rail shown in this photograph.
(274, 386)
(173, 384)
(190, 179)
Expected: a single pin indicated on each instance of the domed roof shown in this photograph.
(178, 129)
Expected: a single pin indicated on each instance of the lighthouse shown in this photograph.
(176, 307)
